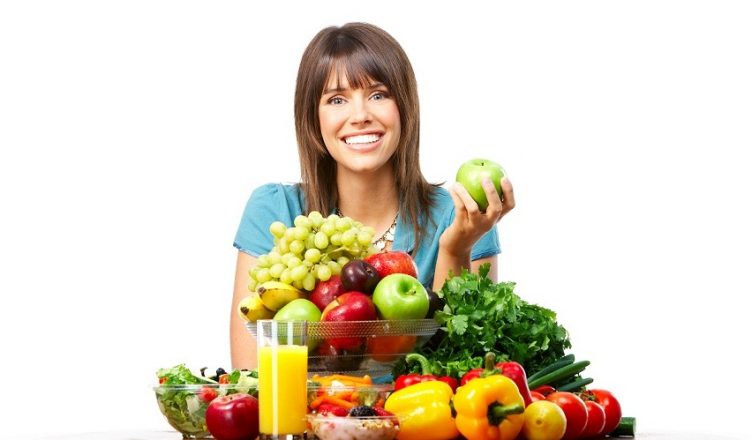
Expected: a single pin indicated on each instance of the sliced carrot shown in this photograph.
(339, 402)
(344, 395)
(315, 403)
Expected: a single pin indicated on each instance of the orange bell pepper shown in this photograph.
(489, 408)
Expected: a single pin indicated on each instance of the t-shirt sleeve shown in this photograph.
(487, 246)
(263, 207)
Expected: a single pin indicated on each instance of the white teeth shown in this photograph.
(362, 139)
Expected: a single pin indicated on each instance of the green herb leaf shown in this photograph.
(482, 316)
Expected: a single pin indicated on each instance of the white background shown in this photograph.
(132, 133)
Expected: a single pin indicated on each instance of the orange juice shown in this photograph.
(282, 390)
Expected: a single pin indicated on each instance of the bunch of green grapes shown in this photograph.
(312, 250)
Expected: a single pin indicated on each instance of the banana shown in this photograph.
(276, 295)
(251, 308)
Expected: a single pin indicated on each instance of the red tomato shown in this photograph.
(207, 394)
(575, 410)
(225, 378)
(611, 406)
(545, 389)
(536, 396)
(596, 420)
(233, 417)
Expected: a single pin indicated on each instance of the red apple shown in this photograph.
(326, 291)
(233, 417)
(350, 306)
(387, 263)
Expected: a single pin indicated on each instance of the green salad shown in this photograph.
(184, 396)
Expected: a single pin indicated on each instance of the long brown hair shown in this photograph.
(362, 52)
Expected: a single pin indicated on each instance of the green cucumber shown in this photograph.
(561, 373)
(627, 427)
(575, 385)
(559, 363)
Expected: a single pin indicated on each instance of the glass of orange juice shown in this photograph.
(282, 374)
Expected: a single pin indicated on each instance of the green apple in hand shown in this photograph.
(471, 174)
(400, 296)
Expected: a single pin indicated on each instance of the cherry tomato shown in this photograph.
(207, 394)
(536, 396)
(162, 380)
(611, 407)
(596, 420)
(544, 420)
(224, 378)
(575, 410)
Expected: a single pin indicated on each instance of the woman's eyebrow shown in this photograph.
(371, 86)
(333, 90)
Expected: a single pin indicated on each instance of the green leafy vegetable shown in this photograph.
(482, 316)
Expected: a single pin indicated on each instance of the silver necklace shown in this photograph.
(386, 237)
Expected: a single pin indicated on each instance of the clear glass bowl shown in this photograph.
(362, 347)
(352, 428)
(184, 406)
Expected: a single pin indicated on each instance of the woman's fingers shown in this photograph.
(462, 199)
(508, 195)
(494, 211)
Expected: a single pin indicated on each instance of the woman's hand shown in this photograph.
(470, 223)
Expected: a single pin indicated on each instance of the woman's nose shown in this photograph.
(360, 111)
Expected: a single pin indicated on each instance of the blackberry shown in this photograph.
(362, 411)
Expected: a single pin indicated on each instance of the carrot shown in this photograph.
(339, 402)
(344, 395)
(347, 380)
(315, 403)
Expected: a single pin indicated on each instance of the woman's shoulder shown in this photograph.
(276, 189)
(442, 201)
(277, 198)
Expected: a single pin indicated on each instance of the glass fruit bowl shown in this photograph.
(362, 347)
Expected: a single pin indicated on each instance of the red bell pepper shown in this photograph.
(488, 370)
(425, 375)
(514, 371)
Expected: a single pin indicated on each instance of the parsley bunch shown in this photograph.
(481, 316)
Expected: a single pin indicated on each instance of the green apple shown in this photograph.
(471, 174)
(400, 296)
(299, 309)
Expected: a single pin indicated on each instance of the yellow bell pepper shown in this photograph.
(424, 411)
(489, 408)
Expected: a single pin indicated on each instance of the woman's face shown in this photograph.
(360, 127)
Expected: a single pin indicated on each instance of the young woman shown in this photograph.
(357, 122)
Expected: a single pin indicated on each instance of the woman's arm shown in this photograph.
(469, 225)
(242, 344)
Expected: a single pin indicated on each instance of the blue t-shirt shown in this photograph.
(275, 201)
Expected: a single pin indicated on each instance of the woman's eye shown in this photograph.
(336, 100)
(378, 96)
